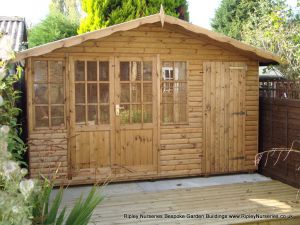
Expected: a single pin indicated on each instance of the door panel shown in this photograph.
(224, 116)
(135, 120)
(91, 125)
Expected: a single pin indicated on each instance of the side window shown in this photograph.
(49, 94)
(174, 92)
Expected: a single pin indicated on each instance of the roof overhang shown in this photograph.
(264, 57)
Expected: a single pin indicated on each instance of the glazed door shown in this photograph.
(112, 126)
(224, 116)
(91, 127)
(135, 117)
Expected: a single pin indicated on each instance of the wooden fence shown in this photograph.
(279, 127)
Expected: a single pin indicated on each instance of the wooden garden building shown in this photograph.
(151, 98)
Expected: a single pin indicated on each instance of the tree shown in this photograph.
(61, 22)
(54, 27)
(233, 14)
(69, 8)
(277, 32)
(103, 13)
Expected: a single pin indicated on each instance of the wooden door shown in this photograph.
(135, 117)
(91, 127)
(224, 116)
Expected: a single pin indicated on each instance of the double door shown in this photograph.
(113, 124)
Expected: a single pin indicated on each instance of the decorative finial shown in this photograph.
(162, 15)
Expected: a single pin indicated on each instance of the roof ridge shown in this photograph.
(12, 18)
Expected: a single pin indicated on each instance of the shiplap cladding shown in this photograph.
(181, 150)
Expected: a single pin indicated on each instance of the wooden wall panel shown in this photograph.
(48, 154)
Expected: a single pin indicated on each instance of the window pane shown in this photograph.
(92, 115)
(56, 71)
(167, 71)
(147, 113)
(41, 93)
(147, 71)
(180, 92)
(135, 92)
(135, 71)
(92, 71)
(125, 93)
(79, 71)
(167, 112)
(79, 93)
(180, 71)
(180, 115)
(80, 114)
(124, 114)
(124, 71)
(167, 93)
(104, 114)
(136, 113)
(57, 115)
(104, 71)
(40, 71)
(147, 92)
(92, 93)
(57, 93)
(104, 93)
(41, 116)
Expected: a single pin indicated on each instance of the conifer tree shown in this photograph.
(103, 13)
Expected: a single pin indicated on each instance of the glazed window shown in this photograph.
(49, 94)
(92, 92)
(174, 92)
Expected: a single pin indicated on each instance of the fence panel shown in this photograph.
(279, 127)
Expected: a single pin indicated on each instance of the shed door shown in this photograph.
(136, 120)
(91, 128)
(224, 116)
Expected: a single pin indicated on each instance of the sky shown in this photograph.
(201, 11)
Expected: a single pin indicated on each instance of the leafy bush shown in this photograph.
(8, 98)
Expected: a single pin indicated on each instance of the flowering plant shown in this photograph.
(15, 190)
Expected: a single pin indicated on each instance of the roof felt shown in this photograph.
(15, 28)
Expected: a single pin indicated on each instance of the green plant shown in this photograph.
(80, 214)
(103, 13)
(15, 190)
(54, 27)
(9, 97)
(136, 116)
(26, 201)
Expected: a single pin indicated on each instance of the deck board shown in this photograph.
(269, 197)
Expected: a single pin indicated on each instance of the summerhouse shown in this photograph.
(155, 97)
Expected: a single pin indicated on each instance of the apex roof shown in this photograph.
(264, 57)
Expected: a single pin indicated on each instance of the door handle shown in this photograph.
(118, 107)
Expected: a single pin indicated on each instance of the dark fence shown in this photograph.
(279, 126)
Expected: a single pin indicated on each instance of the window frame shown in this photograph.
(172, 81)
(49, 104)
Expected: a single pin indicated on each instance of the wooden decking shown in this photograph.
(248, 199)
